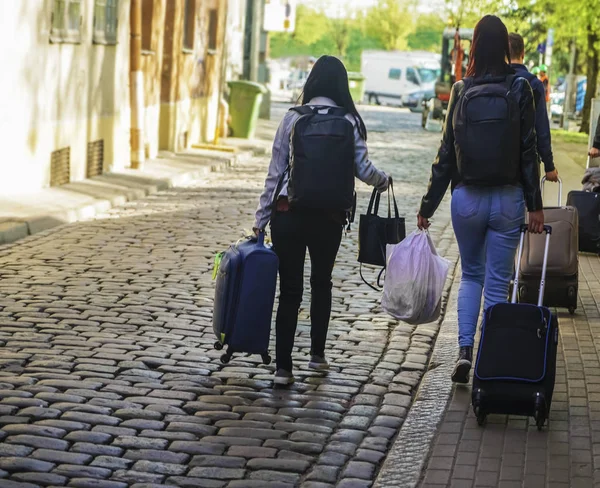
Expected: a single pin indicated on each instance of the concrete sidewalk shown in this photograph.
(27, 214)
(440, 443)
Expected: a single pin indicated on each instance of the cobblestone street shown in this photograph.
(108, 374)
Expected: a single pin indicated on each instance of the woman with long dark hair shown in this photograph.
(488, 153)
(296, 229)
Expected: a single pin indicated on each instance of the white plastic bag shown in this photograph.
(414, 280)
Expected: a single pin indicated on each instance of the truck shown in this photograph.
(399, 78)
(456, 43)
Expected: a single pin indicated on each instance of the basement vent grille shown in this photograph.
(60, 167)
(95, 158)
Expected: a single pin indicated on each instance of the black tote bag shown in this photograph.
(375, 232)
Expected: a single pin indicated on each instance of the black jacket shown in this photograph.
(542, 122)
(597, 135)
(444, 169)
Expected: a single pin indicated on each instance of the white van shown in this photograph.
(400, 78)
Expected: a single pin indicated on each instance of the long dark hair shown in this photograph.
(329, 78)
(490, 50)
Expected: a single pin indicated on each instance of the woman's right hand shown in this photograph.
(536, 222)
(422, 222)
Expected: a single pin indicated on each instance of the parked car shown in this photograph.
(415, 101)
(296, 82)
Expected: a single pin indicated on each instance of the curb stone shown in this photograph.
(408, 455)
(12, 230)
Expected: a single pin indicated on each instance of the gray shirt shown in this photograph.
(364, 169)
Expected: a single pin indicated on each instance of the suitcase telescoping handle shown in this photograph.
(524, 229)
(560, 187)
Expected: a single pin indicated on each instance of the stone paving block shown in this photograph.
(160, 468)
(75, 471)
(111, 462)
(267, 475)
(292, 465)
(19, 464)
(198, 447)
(38, 442)
(96, 449)
(61, 457)
(323, 473)
(130, 477)
(252, 452)
(43, 479)
(217, 473)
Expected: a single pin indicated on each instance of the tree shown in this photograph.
(391, 21)
(339, 32)
(428, 33)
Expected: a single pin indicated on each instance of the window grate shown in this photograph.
(95, 158)
(183, 139)
(60, 167)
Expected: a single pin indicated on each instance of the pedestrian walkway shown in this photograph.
(27, 214)
(440, 443)
(509, 451)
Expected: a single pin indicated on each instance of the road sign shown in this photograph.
(280, 15)
(541, 48)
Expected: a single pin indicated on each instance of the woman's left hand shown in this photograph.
(422, 222)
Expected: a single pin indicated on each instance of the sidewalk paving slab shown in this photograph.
(440, 443)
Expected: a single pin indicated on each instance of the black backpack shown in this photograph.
(321, 168)
(487, 132)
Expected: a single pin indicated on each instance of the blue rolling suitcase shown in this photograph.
(244, 297)
(516, 361)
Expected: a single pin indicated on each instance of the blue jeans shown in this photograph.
(487, 224)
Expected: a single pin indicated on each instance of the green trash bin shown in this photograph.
(244, 105)
(357, 86)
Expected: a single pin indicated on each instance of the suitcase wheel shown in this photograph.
(540, 420)
(522, 292)
(572, 310)
(540, 412)
(218, 346)
(266, 359)
(225, 358)
(481, 416)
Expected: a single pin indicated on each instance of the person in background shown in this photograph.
(595, 151)
(542, 122)
(543, 76)
(490, 194)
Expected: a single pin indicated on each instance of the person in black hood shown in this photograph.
(488, 153)
(542, 122)
(595, 151)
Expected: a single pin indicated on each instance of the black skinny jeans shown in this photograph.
(292, 233)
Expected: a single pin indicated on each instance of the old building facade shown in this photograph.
(66, 113)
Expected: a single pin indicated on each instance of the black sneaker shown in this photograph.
(318, 363)
(463, 365)
(283, 377)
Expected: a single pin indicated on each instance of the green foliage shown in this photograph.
(390, 21)
(394, 24)
(428, 33)
(349, 36)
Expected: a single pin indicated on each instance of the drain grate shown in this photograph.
(60, 166)
(95, 158)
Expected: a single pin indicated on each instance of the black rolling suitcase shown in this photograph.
(516, 360)
(587, 204)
